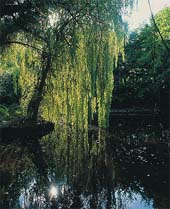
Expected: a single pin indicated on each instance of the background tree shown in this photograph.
(145, 71)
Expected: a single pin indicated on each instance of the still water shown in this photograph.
(121, 168)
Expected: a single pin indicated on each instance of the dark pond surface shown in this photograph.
(123, 168)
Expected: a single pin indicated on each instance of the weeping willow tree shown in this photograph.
(83, 80)
(77, 44)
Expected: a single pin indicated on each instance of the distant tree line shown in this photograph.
(142, 79)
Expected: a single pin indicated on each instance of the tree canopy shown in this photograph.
(73, 47)
(145, 71)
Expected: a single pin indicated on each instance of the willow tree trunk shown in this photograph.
(34, 104)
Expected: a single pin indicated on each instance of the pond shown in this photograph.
(125, 167)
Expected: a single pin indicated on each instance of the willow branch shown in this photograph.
(24, 44)
(157, 28)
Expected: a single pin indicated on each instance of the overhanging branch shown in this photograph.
(23, 44)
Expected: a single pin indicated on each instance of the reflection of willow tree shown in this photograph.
(76, 45)
(103, 170)
(90, 171)
(100, 170)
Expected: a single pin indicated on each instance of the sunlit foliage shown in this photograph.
(82, 84)
(81, 41)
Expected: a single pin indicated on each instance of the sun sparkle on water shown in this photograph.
(53, 192)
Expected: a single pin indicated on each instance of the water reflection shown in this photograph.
(53, 192)
(87, 170)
